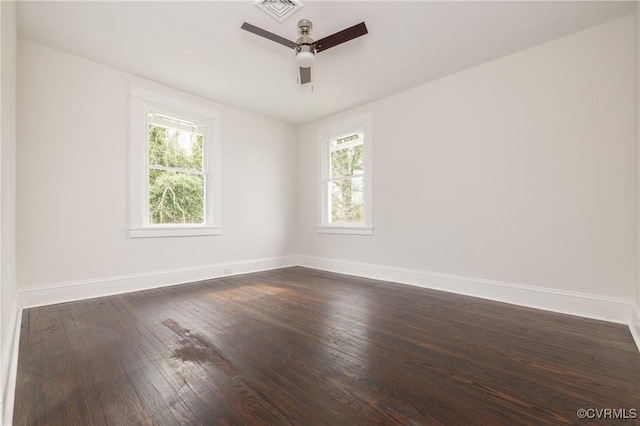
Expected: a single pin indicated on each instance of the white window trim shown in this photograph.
(361, 122)
(143, 100)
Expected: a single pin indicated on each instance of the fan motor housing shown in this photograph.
(305, 27)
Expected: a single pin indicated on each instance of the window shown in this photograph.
(175, 166)
(345, 167)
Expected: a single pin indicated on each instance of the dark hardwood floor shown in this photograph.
(304, 347)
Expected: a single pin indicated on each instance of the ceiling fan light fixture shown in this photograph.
(305, 59)
(305, 47)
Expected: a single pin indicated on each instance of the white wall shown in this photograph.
(635, 327)
(521, 170)
(73, 187)
(8, 283)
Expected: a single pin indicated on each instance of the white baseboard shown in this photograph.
(10, 366)
(87, 289)
(634, 324)
(566, 302)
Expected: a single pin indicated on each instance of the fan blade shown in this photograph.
(305, 75)
(341, 37)
(266, 34)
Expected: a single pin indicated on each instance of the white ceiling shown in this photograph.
(199, 47)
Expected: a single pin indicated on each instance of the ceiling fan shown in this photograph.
(305, 47)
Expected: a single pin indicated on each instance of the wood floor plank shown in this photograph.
(305, 347)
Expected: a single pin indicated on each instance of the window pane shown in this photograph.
(347, 161)
(347, 200)
(177, 146)
(175, 197)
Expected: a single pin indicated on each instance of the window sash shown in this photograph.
(330, 204)
(344, 178)
(347, 145)
(201, 131)
(177, 169)
(187, 110)
(169, 120)
(360, 125)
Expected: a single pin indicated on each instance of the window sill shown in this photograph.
(353, 230)
(173, 231)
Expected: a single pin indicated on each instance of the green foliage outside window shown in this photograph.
(347, 194)
(175, 196)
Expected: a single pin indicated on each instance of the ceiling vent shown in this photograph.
(279, 9)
